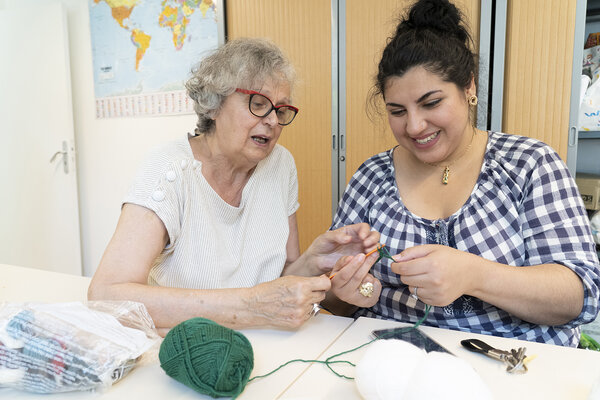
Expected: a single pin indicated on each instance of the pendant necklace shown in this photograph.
(446, 172)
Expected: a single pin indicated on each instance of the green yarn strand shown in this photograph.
(383, 253)
(207, 357)
(305, 361)
(329, 361)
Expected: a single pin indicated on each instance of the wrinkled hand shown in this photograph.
(287, 302)
(348, 240)
(441, 273)
(349, 273)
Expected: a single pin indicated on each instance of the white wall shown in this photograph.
(108, 150)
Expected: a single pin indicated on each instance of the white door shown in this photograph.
(39, 211)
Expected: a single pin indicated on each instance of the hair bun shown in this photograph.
(432, 35)
(439, 15)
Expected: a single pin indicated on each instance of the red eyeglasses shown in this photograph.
(260, 106)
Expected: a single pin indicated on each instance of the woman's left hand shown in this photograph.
(440, 273)
(351, 281)
(350, 240)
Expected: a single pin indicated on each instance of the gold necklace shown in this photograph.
(446, 173)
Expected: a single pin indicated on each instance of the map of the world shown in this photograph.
(144, 50)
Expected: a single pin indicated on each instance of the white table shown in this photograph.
(18, 284)
(557, 372)
(148, 381)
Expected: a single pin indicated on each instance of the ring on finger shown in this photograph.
(366, 289)
(414, 294)
(315, 310)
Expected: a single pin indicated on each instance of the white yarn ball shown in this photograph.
(385, 370)
(444, 376)
(398, 370)
(595, 392)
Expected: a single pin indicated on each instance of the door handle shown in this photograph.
(64, 153)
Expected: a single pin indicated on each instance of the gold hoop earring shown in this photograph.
(472, 100)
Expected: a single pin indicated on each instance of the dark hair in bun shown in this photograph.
(431, 35)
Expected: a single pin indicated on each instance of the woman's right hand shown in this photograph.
(349, 274)
(287, 302)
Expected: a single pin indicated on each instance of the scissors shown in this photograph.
(514, 359)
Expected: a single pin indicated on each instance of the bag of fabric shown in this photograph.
(62, 347)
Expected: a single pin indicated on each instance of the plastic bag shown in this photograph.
(589, 111)
(591, 61)
(61, 347)
(595, 225)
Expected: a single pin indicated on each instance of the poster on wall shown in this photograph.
(144, 50)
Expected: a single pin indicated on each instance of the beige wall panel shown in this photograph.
(303, 30)
(367, 30)
(537, 82)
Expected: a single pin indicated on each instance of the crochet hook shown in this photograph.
(379, 246)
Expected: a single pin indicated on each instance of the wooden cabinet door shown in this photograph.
(303, 30)
(537, 80)
(367, 29)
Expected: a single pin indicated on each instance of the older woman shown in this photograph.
(209, 225)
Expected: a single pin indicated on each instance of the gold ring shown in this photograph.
(366, 289)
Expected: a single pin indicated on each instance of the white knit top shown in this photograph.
(211, 243)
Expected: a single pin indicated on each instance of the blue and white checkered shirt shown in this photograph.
(525, 210)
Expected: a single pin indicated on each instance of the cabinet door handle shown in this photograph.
(64, 154)
(572, 136)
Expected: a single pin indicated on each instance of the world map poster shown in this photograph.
(144, 50)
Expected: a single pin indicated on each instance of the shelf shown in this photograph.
(589, 134)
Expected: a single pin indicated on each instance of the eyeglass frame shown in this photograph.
(273, 106)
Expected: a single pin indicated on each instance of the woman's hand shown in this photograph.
(287, 302)
(352, 272)
(440, 273)
(350, 240)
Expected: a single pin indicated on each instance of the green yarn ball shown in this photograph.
(208, 357)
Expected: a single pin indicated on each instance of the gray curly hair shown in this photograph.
(244, 63)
